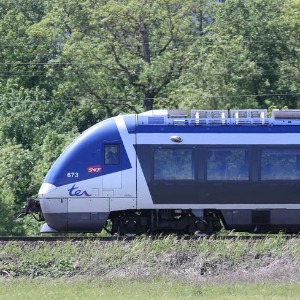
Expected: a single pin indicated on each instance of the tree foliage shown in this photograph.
(121, 51)
(245, 58)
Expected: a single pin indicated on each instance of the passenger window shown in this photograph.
(280, 164)
(174, 164)
(227, 164)
(112, 154)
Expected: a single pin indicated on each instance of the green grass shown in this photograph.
(154, 289)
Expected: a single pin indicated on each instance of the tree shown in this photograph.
(242, 59)
(118, 52)
(20, 62)
(289, 69)
(16, 164)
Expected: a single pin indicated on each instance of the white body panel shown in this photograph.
(88, 205)
(54, 205)
(122, 204)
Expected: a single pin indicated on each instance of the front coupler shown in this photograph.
(32, 207)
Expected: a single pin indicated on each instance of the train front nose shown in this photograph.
(71, 214)
(55, 211)
(60, 217)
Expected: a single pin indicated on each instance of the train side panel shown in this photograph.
(228, 172)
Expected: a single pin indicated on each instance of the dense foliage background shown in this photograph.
(67, 64)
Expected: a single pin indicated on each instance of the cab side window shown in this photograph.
(112, 154)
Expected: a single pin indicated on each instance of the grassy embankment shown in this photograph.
(193, 268)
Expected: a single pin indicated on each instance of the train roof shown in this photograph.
(235, 117)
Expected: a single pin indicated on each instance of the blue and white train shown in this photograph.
(161, 171)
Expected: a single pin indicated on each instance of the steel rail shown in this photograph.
(131, 238)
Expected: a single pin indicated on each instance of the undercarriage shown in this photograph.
(162, 221)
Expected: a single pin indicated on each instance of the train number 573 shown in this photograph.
(72, 174)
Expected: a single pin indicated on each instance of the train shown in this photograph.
(162, 171)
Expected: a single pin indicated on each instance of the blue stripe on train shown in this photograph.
(85, 152)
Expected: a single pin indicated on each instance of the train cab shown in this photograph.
(76, 192)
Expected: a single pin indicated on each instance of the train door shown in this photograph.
(119, 181)
(112, 168)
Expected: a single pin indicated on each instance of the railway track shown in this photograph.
(60, 238)
(131, 238)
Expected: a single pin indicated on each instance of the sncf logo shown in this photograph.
(94, 169)
(74, 191)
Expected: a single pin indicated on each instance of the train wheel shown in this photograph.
(128, 227)
(127, 224)
(199, 227)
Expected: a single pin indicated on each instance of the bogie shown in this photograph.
(163, 221)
